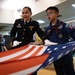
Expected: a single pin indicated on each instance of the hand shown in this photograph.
(47, 42)
(15, 43)
(5, 48)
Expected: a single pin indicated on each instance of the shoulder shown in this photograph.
(62, 24)
(20, 19)
(70, 25)
(34, 21)
(47, 27)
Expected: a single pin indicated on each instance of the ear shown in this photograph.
(57, 14)
(31, 13)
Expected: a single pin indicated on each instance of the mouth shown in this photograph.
(49, 18)
(25, 16)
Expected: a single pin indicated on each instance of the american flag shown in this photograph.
(30, 58)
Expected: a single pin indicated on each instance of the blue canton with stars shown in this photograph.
(57, 51)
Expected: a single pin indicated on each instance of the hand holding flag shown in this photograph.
(48, 43)
(15, 43)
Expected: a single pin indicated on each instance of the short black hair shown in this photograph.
(28, 8)
(53, 8)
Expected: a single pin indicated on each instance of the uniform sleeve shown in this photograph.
(46, 32)
(13, 31)
(40, 32)
(70, 29)
(2, 44)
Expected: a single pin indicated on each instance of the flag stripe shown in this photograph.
(9, 57)
(38, 50)
(25, 53)
(29, 58)
(9, 52)
(16, 66)
(30, 53)
(42, 50)
(27, 71)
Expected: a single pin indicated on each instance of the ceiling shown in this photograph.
(65, 9)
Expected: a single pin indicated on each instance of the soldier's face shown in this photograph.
(26, 14)
(52, 15)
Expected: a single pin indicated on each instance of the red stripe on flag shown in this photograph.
(2, 54)
(38, 50)
(16, 66)
(17, 57)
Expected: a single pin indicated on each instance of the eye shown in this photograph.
(26, 12)
(22, 12)
(48, 14)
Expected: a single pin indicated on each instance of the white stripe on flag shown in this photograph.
(29, 54)
(42, 50)
(27, 71)
(15, 54)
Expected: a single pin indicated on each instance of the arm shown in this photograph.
(13, 31)
(5, 48)
(13, 34)
(40, 32)
(36, 43)
(43, 36)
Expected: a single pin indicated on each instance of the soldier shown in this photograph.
(58, 32)
(25, 28)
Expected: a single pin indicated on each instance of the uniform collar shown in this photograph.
(57, 24)
(28, 20)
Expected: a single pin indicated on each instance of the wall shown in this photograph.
(6, 16)
(37, 6)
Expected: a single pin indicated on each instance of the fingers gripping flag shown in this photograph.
(30, 58)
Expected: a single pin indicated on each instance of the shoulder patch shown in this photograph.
(71, 25)
(67, 25)
(60, 27)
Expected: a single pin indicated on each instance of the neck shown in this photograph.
(54, 22)
(26, 20)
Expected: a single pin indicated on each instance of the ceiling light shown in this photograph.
(73, 5)
(40, 21)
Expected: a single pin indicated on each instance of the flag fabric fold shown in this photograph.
(30, 58)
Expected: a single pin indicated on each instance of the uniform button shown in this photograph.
(24, 29)
(22, 37)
